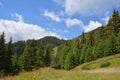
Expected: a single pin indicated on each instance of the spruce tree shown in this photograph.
(2, 53)
(29, 57)
(8, 67)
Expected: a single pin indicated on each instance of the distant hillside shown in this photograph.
(18, 47)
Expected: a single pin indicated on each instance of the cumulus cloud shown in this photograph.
(73, 22)
(52, 16)
(91, 26)
(88, 7)
(23, 31)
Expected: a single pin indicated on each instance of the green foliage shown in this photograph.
(15, 65)
(70, 60)
(89, 56)
(29, 57)
(105, 64)
(2, 53)
(101, 42)
(64, 52)
(85, 67)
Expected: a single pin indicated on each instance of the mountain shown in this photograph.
(18, 47)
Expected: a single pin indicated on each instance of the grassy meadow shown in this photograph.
(52, 74)
(74, 74)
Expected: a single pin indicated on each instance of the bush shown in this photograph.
(85, 67)
(105, 64)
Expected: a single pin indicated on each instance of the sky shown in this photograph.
(65, 19)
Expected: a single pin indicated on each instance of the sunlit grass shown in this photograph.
(74, 74)
(114, 62)
(52, 74)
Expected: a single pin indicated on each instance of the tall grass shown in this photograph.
(52, 74)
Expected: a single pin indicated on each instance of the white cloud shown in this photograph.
(52, 16)
(23, 31)
(89, 7)
(91, 26)
(18, 17)
(73, 22)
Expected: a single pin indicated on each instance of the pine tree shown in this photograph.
(83, 41)
(29, 57)
(63, 55)
(8, 67)
(83, 53)
(49, 51)
(40, 56)
(102, 33)
(89, 56)
(71, 58)
(15, 65)
(114, 23)
(91, 39)
(2, 53)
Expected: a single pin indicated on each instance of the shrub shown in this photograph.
(105, 64)
(85, 67)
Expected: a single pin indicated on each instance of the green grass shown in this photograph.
(52, 74)
(74, 74)
(113, 60)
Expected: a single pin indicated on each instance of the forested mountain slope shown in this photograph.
(98, 43)
(18, 47)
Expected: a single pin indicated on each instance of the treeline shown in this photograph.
(26, 56)
(101, 42)
(18, 47)
(6, 56)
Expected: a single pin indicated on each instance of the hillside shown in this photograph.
(18, 47)
(101, 42)
(76, 73)
(96, 64)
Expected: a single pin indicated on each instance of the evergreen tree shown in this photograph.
(29, 57)
(49, 51)
(40, 56)
(99, 50)
(90, 39)
(83, 53)
(114, 23)
(2, 53)
(15, 65)
(88, 56)
(8, 67)
(102, 33)
(64, 53)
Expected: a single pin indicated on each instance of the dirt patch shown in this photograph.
(105, 70)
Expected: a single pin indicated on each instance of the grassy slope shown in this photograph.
(74, 74)
(114, 62)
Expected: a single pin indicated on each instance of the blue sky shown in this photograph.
(28, 19)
